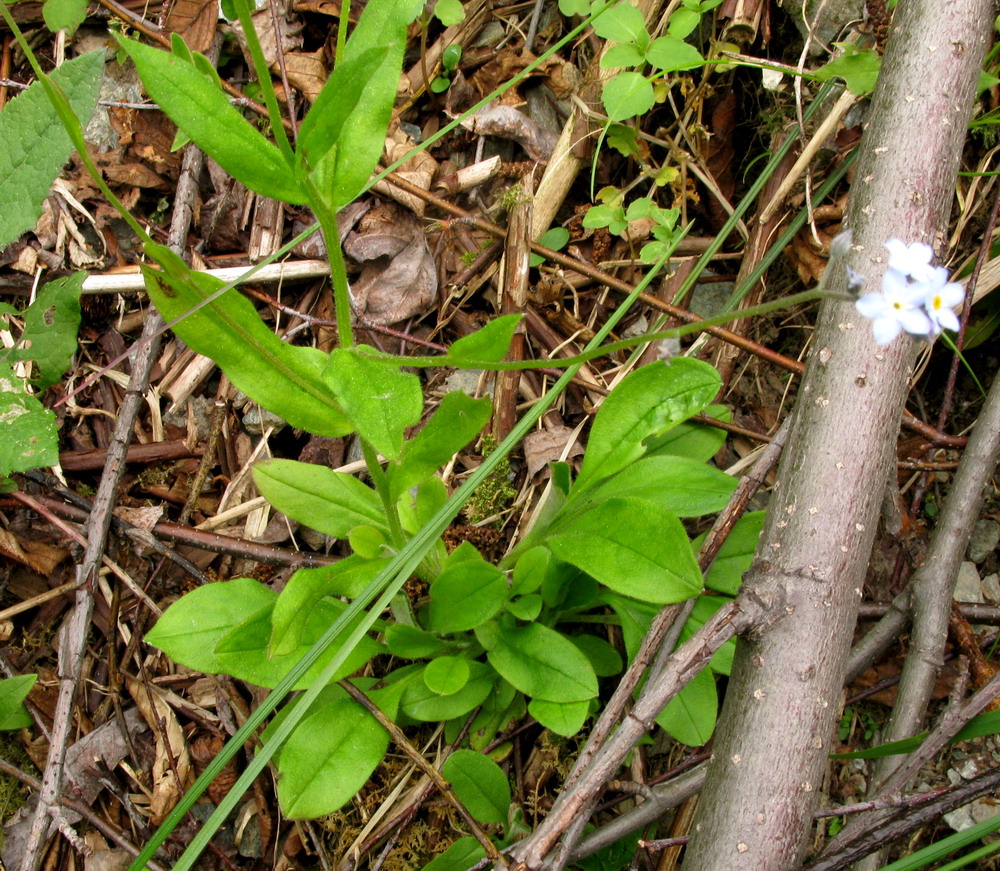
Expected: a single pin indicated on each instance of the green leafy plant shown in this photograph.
(13, 690)
(554, 238)
(631, 93)
(449, 63)
(48, 341)
(616, 217)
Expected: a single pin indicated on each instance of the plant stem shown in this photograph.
(264, 79)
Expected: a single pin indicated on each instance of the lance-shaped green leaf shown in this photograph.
(328, 758)
(34, 145)
(198, 107)
(458, 420)
(633, 547)
(421, 703)
(488, 345)
(244, 651)
(646, 403)
(542, 664)
(191, 627)
(307, 587)
(347, 149)
(330, 502)
(381, 400)
(284, 379)
(683, 487)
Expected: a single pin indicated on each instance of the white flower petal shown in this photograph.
(885, 330)
(914, 321)
(873, 305)
(913, 260)
(945, 319)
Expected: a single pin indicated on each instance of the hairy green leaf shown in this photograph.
(330, 502)
(646, 403)
(328, 758)
(563, 718)
(13, 690)
(197, 106)
(423, 704)
(488, 345)
(65, 15)
(284, 379)
(34, 145)
(380, 399)
(466, 595)
(446, 674)
(626, 95)
(543, 664)
(458, 420)
(633, 547)
(30, 436)
(50, 326)
(683, 487)
(690, 716)
(191, 627)
(306, 587)
(244, 651)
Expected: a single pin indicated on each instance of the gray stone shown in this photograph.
(967, 587)
(984, 538)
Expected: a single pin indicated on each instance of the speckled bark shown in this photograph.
(783, 697)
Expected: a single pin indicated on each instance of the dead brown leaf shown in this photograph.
(547, 445)
(399, 280)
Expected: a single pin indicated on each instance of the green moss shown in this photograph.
(496, 493)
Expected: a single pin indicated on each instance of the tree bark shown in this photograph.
(783, 698)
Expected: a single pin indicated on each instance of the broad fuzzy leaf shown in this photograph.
(198, 106)
(50, 326)
(380, 399)
(457, 421)
(543, 664)
(65, 15)
(34, 145)
(285, 379)
(647, 403)
(330, 502)
(633, 547)
(696, 441)
(328, 758)
(479, 784)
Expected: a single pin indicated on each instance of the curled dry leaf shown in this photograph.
(172, 762)
(398, 280)
(510, 123)
(36, 555)
(547, 445)
(418, 170)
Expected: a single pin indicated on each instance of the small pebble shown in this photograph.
(984, 538)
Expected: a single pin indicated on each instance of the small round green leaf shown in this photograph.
(628, 94)
(446, 675)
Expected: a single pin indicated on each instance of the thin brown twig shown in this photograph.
(429, 770)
